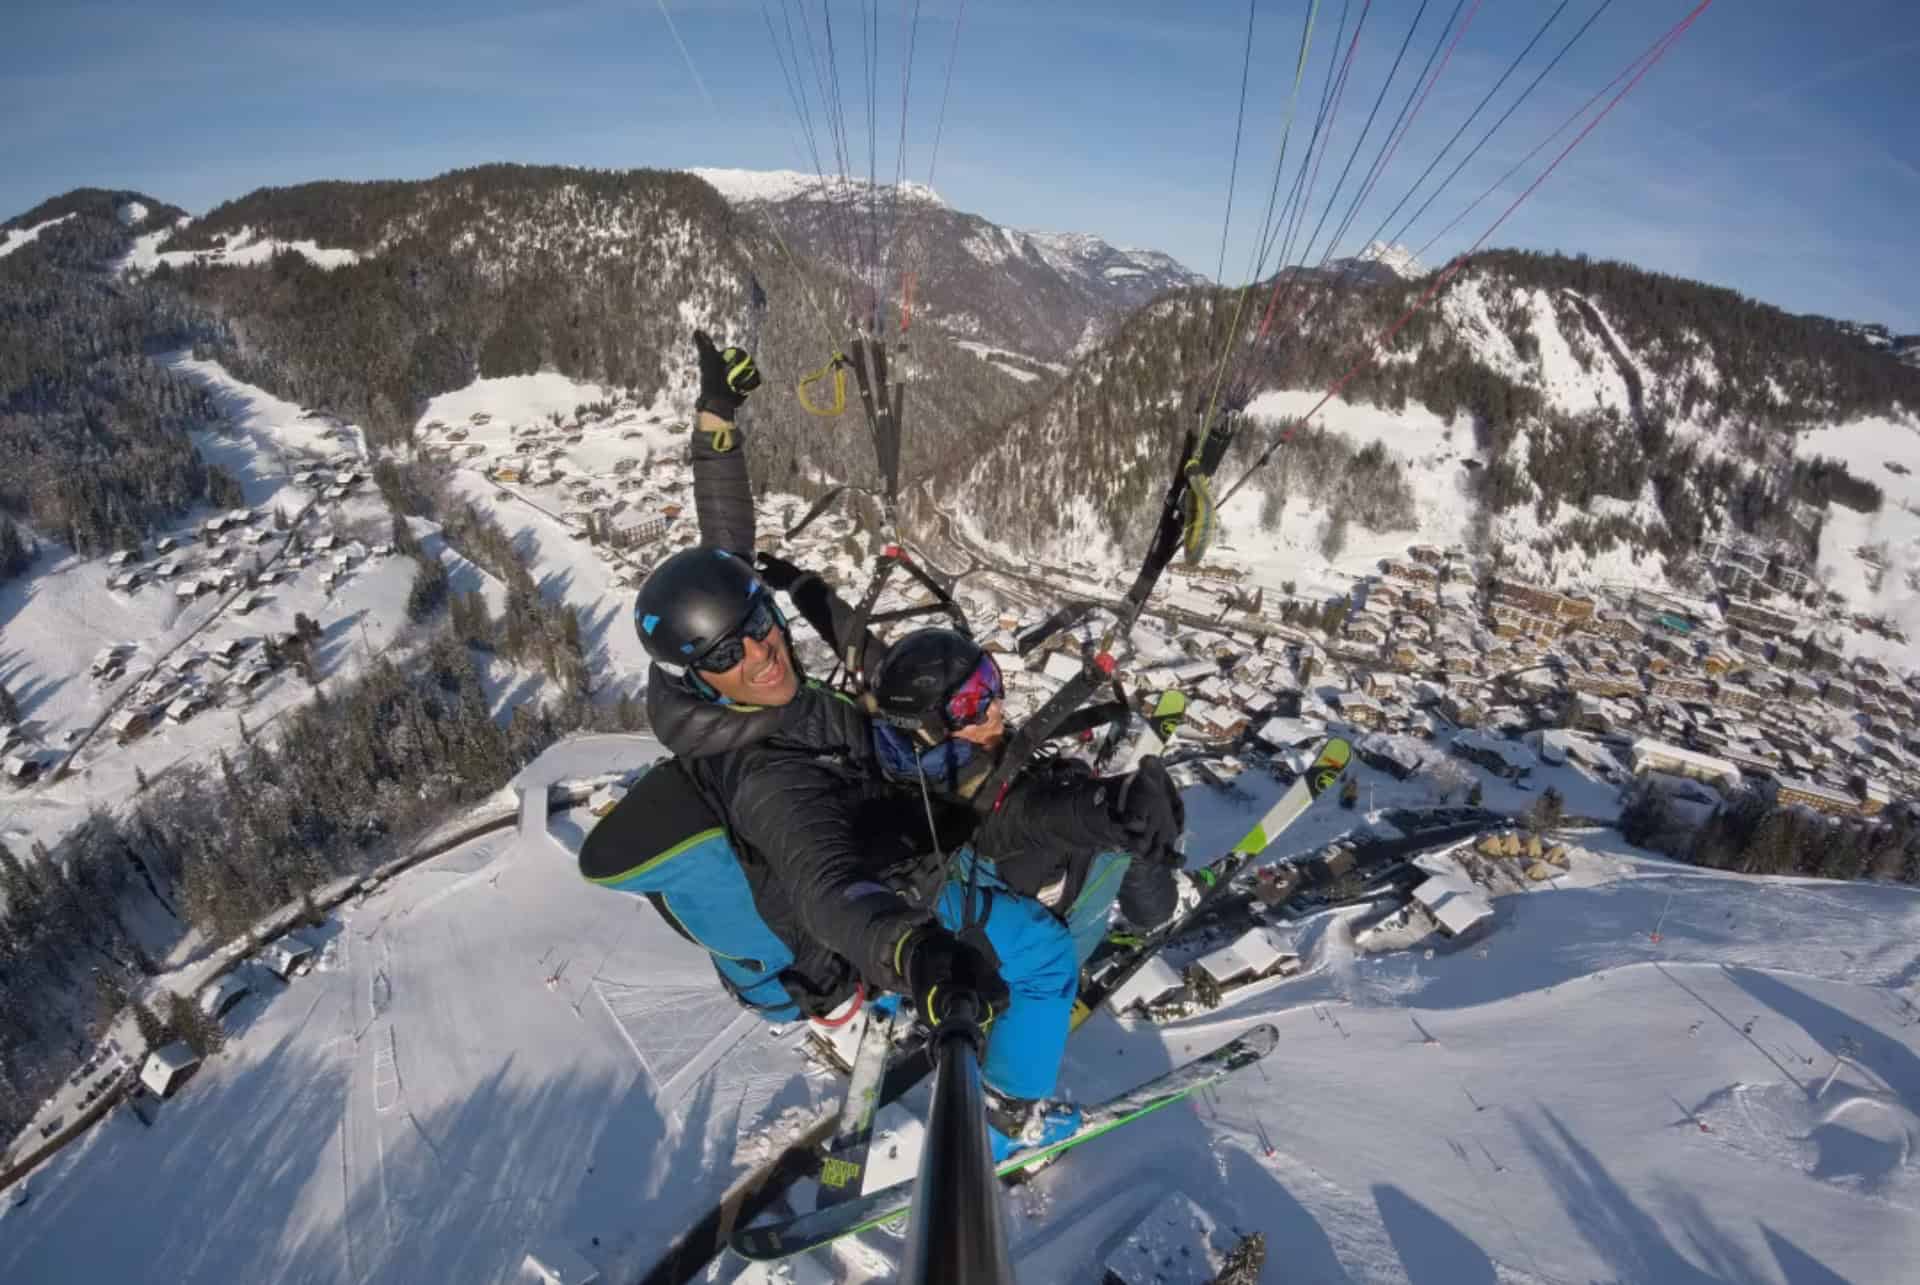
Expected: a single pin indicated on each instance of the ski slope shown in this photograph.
(493, 1054)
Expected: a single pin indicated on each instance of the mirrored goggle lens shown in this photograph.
(970, 701)
(732, 649)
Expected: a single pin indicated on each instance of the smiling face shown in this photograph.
(764, 676)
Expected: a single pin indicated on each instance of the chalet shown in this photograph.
(20, 769)
(1650, 755)
(1613, 625)
(167, 1068)
(1388, 754)
(1426, 554)
(186, 705)
(287, 957)
(166, 544)
(128, 724)
(126, 581)
(1790, 791)
(1538, 601)
(1361, 711)
(1839, 694)
(229, 653)
(509, 471)
(1680, 688)
(1216, 722)
(223, 993)
(251, 676)
(1412, 572)
(188, 590)
(1457, 907)
(121, 558)
(1497, 755)
(1747, 614)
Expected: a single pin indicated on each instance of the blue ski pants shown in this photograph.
(1040, 960)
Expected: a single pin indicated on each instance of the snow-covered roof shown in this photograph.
(1061, 666)
(1649, 753)
(1254, 951)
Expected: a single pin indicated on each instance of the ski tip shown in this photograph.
(1263, 1039)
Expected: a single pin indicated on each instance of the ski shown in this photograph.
(845, 1165)
(1106, 976)
(796, 1235)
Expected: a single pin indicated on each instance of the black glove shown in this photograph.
(936, 966)
(779, 574)
(727, 375)
(1150, 810)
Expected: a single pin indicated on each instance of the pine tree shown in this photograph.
(1475, 795)
(152, 1032)
(9, 707)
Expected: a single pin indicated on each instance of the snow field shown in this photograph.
(493, 1054)
(12, 239)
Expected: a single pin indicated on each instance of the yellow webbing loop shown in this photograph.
(836, 367)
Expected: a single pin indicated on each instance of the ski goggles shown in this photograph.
(762, 618)
(969, 703)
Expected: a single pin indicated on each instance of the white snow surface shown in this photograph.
(131, 213)
(494, 1054)
(1876, 450)
(785, 185)
(244, 248)
(12, 239)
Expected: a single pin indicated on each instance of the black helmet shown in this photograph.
(921, 674)
(691, 601)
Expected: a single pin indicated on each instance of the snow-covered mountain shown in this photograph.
(1380, 261)
(1586, 421)
(1048, 296)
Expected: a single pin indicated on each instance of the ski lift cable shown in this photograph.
(1239, 123)
(1532, 85)
(1279, 169)
(1663, 47)
(1520, 164)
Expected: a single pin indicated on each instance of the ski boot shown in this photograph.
(1022, 1124)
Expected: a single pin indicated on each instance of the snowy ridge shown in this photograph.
(245, 248)
(12, 239)
(745, 186)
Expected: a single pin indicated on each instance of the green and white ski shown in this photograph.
(770, 1241)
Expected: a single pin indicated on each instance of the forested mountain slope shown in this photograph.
(93, 434)
(505, 269)
(1048, 296)
(1593, 405)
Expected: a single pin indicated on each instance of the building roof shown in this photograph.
(1648, 751)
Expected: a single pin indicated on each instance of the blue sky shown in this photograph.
(1774, 150)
